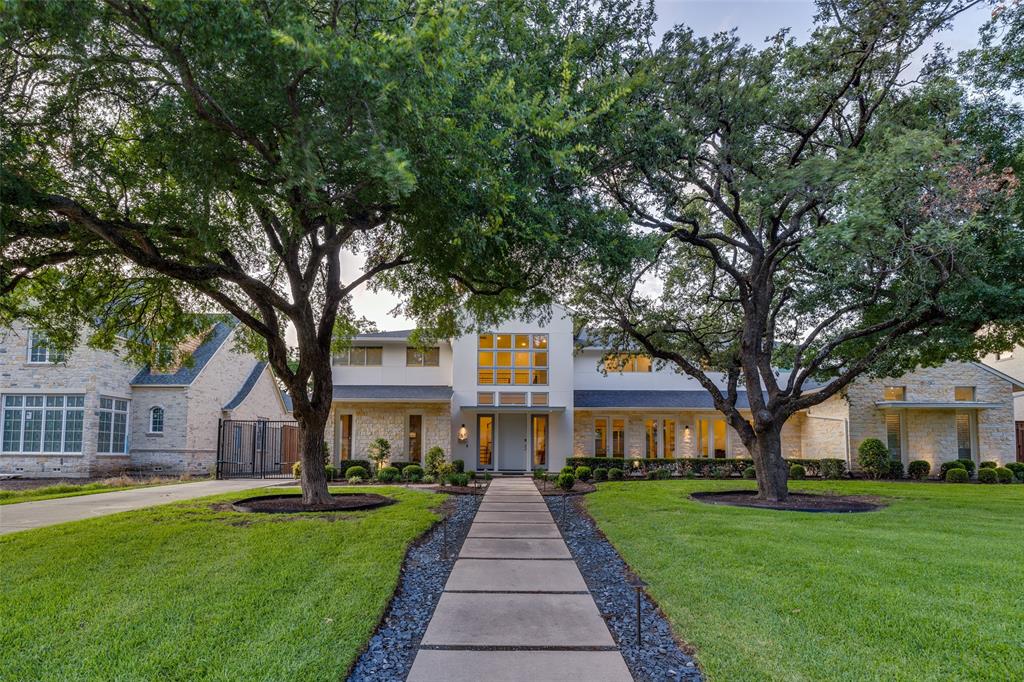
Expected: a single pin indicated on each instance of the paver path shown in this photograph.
(25, 515)
(516, 606)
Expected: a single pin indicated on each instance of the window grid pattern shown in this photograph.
(628, 362)
(156, 420)
(360, 356)
(112, 436)
(431, 357)
(49, 424)
(512, 359)
(39, 351)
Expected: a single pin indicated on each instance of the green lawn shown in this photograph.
(185, 592)
(926, 589)
(51, 492)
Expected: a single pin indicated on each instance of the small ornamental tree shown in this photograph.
(873, 458)
(379, 452)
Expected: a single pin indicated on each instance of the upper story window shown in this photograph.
(894, 393)
(156, 420)
(627, 362)
(512, 359)
(963, 393)
(112, 435)
(414, 357)
(39, 349)
(360, 356)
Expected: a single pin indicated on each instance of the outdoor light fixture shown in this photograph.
(636, 464)
(463, 434)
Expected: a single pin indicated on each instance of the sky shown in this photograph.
(754, 20)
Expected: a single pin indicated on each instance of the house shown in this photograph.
(93, 414)
(1012, 363)
(531, 393)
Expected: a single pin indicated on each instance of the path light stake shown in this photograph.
(444, 546)
(638, 585)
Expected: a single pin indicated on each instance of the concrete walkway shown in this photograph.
(515, 606)
(26, 515)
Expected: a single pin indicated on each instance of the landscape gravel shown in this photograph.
(392, 648)
(660, 657)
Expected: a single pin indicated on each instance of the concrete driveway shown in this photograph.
(26, 515)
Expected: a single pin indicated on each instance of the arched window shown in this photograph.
(156, 420)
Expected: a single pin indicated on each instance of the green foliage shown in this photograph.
(459, 479)
(443, 472)
(565, 481)
(957, 475)
(600, 474)
(968, 464)
(379, 451)
(895, 469)
(1018, 470)
(615, 474)
(435, 456)
(540, 474)
(750, 473)
(797, 473)
(873, 458)
(988, 464)
(387, 474)
(658, 474)
(1004, 475)
(582, 473)
(357, 472)
(412, 473)
(987, 475)
(330, 470)
(832, 468)
(458, 465)
(919, 469)
(951, 464)
(297, 470)
(568, 469)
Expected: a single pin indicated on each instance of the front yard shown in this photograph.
(18, 490)
(190, 592)
(925, 589)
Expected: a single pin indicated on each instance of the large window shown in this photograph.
(618, 438)
(512, 359)
(415, 450)
(668, 439)
(345, 446)
(360, 356)
(43, 423)
(540, 440)
(39, 350)
(963, 394)
(651, 438)
(601, 437)
(964, 436)
(414, 357)
(627, 362)
(485, 439)
(112, 438)
(894, 435)
(712, 438)
(156, 420)
(894, 393)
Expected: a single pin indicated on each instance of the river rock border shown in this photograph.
(660, 658)
(391, 650)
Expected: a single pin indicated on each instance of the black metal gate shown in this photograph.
(256, 448)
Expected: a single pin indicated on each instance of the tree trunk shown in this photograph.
(314, 477)
(772, 472)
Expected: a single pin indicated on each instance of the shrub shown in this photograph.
(458, 465)
(1018, 469)
(388, 474)
(600, 474)
(540, 474)
(379, 452)
(658, 474)
(987, 475)
(583, 473)
(567, 469)
(1004, 475)
(487, 476)
(412, 473)
(989, 464)
(331, 471)
(895, 469)
(565, 481)
(428, 478)
(750, 472)
(721, 472)
(435, 456)
(919, 469)
(969, 465)
(832, 468)
(355, 480)
(873, 458)
(459, 479)
(797, 472)
(957, 475)
(953, 464)
(297, 470)
(615, 474)
(356, 471)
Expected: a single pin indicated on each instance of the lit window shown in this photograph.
(894, 436)
(431, 357)
(600, 438)
(964, 393)
(651, 438)
(485, 436)
(512, 359)
(618, 438)
(964, 439)
(156, 420)
(668, 436)
(112, 436)
(415, 437)
(39, 350)
(540, 440)
(360, 356)
(894, 393)
(627, 362)
(38, 424)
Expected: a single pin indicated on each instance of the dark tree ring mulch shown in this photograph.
(802, 502)
(291, 503)
(578, 488)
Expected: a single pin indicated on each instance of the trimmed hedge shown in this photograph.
(919, 469)
(583, 473)
(750, 472)
(832, 468)
(360, 471)
(873, 458)
(954, 464)
(615, 474)
(566, 481)
(1004, 475)
(989, 464)
(969, 465)
(412, 473)
(895, 469)
(987, 475)
(1018, 470)
(699, 466)
(600, 474)
(957, 475)
(797, 473)
(387, 474)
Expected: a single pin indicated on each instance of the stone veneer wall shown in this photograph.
(931, 434)
(823, 429)
(388, 420)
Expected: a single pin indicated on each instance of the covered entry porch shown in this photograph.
(510, 439)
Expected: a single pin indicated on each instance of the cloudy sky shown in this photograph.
(754, 20)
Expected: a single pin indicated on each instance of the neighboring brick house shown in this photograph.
(93, 414)
(531, 393)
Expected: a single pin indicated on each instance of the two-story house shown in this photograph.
(93, 414)
(530, 394)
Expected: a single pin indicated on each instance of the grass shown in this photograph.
(56, 490)
(926, 589)
(188, 592)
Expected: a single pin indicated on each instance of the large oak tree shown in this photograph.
(164, 156)
(806, 213)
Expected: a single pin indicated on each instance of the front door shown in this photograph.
(513, 442)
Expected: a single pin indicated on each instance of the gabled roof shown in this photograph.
(650, 399)
(185, 375)
(395, 335)
(247, 386)
(430, 394)
(1015, 384)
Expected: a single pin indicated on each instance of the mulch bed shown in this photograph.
(578, 488)
(805, 502)
(462, 489)
(292, 503)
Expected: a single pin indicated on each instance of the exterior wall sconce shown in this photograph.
(463, 434)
